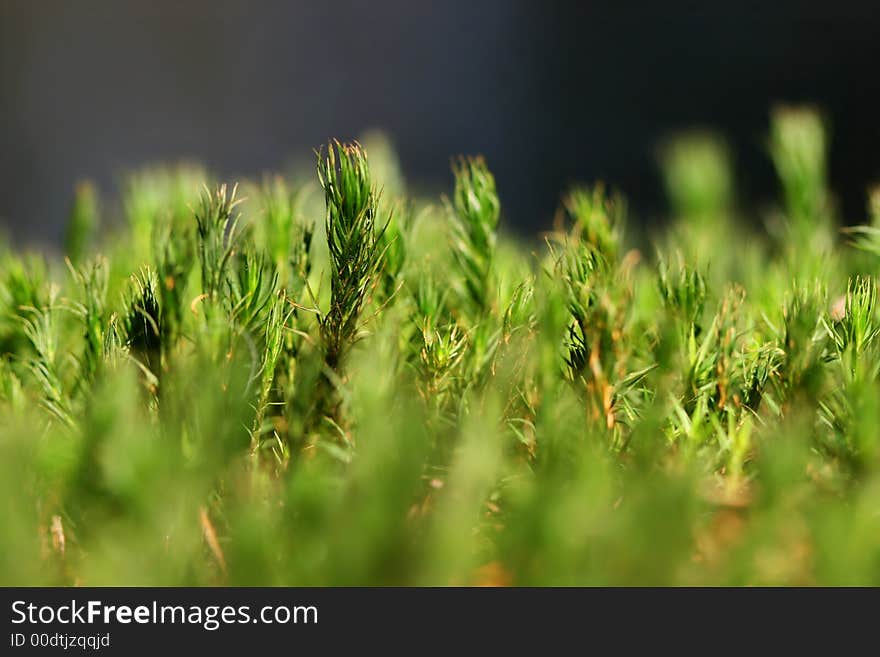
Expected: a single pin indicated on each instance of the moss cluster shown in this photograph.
(324, 382)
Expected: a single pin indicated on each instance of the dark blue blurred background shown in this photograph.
(550, 92)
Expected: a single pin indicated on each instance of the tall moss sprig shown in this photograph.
(855, 333)
(277, 317)
(41, 328)
(683, 292)
(799, 149)
(598, 219)
(91, 280)
(353, 239)
(253, 283)
(216, 225)
(143, 322)
(475, 213)
(173, 247)
(393, 241)
(802, 341)
(596, 352)
(698, 179)
(82, 224)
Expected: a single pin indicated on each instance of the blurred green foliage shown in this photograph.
(323, 382)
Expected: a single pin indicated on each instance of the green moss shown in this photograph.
(404, 393)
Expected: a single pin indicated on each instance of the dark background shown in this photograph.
(550, 92)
